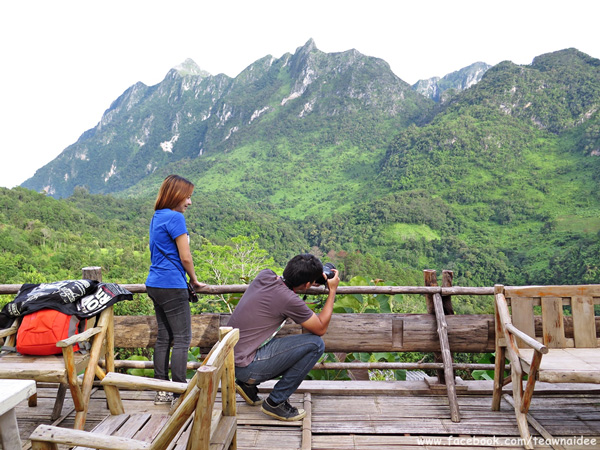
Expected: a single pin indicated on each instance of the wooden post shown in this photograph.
(113, 398)
(447, 277)
(431, 280)
(307, 423)
(92, 273)
(447, 357)
(500, 354)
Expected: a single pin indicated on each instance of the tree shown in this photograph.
(236, 263)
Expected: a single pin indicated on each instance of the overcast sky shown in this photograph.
(64, 62)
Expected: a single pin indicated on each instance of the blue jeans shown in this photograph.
(174, 328)
(290, 357)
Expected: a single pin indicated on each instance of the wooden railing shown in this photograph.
(346, 333)
(439, 331)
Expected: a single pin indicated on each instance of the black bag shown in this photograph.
(81, 298)
(192, 296)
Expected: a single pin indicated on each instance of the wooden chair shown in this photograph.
(192, 424)
(564, 349)
(64, 369)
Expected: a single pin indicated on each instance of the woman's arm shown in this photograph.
(185, 255)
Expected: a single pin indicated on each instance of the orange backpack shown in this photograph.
(40, 331)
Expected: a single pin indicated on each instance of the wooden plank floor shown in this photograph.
(375, 415)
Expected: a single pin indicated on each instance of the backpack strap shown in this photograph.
(7, 349)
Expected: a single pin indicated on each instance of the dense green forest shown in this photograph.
(499, 183)
(391, 239)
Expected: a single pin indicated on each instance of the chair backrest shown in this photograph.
(9, 335)
(566, 314)
(220, 365)
(200, 396)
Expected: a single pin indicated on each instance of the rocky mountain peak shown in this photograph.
(338, 97)
(308, 47)
(435, 87)
(189, 67)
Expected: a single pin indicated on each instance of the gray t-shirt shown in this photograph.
(264, 306)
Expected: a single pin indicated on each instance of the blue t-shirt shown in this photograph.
(165, 227)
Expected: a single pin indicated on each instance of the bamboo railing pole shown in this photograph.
(446, 357)
(307, 423)
(241, 288)
(193, 365)
(430, 277)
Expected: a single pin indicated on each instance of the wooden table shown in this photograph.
(12, 392)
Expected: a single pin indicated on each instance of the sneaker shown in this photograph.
(283, 411)
(249, 393)
(163, 397)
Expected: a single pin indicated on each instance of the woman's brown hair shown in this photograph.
(173, 190)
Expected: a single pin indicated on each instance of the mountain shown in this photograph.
(439, 89)
(516, 157)
(332, 153)
(191, 115)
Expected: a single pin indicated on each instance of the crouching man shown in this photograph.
(261, 312)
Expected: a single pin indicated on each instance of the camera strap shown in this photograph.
(273, 335)
(286, 283)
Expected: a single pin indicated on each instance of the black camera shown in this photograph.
(327, 270)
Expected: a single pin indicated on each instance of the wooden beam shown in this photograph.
(131, 364)
(446, 357)
(342, 290)
(592, 290)
(471, 333)
(430, 277)
(447, 278)
(307, 423)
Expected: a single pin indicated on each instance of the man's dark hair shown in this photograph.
(302, 269)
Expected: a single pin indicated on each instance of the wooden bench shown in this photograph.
(192, 423)
(64, 368)
(537, 345)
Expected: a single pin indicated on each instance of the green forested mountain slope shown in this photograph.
(516, 158)
(43, 239)
(499, 182)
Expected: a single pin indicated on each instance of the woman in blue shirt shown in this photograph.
(166, 284)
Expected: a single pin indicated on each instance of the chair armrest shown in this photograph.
(531, 342)
(509, 329)
(140, 383)
(70, 437)
(10, 330)
(81, 337)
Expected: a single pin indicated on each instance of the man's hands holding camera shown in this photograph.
(319, 322)
(331, 276)
(333, 283)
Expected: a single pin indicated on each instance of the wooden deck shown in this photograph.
(378, 415)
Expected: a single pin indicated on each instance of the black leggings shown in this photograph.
(174, 327)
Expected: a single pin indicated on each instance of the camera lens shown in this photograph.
(327, 270)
